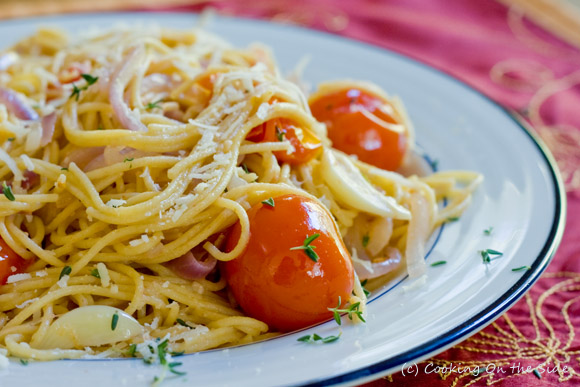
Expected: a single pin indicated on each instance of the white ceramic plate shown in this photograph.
(521, 198)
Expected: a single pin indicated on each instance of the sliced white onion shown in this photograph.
(379, 235)
(350, 187)
(48, 123)
(366, 269)
(189, 267)
(417, 232)
(120, 80)
(16, 104)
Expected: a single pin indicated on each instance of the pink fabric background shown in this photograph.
(506, 57)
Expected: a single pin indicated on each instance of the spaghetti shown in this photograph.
(129, 150)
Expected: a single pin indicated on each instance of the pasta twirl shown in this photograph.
(129, 152)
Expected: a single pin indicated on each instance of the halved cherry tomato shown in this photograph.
(10, 262)
(364, 125)
(286, 288)
(305, 148)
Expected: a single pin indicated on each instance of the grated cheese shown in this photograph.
(63, 282)
(116, 203)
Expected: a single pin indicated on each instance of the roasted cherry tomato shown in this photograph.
(10, 262)
(364, 125)
(285, 287)
(306, 146)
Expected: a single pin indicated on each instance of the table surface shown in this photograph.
(528, 61)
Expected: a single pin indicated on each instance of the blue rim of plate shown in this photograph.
(481, 319)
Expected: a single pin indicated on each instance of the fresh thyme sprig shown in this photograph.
(77, 90)
(7, 191)
(114, 321)
(269, 202)
(65, 271)
(153, 105)
(317, 338)
(308, 248)
(279, 134)
(353, 309)
(486, 255)
(521, 268)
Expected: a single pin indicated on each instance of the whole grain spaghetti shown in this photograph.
(128, 155)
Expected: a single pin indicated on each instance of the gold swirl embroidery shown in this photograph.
(528, 76)
(504, 345)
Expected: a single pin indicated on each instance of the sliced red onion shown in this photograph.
(189, 267)
(113, 155)
(48, 123)
(16, 103)
(30, 179)
(118, 83)
(83, 156)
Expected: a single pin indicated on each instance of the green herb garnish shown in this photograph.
(64, 169)
(114, 321)
(453, 219)
(488, 231)
(434, 164)
(308, 249)
(365, 240)
(362, 284)
(132, 350)
(153, 105)
(128, 159)
(521, 268)
(11, 139)
(77, 90)
(352, 309)
(90, 79)
(279, 134)
(486, 255)
(162, 354)
(24, 362)
(269, 202)
(7, 190)
(65, 271)
(181, 322)
(95, 273)
(438, 263)
(314, 338)
(245, 168)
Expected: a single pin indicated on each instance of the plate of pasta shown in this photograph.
(187, 204)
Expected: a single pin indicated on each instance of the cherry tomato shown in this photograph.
(305, 148)
(9, 260)
(286, 288)
(364, 125)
